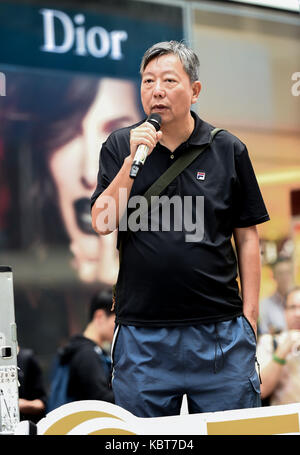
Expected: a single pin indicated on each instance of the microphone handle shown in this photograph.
(139, 160)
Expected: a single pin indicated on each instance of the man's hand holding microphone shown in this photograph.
(143, 139)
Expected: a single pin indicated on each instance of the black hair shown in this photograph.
(41, 112)
(187, 56)
(100, 301)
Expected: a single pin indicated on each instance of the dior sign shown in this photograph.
(75, 37)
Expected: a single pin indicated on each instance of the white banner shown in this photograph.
(102, 418)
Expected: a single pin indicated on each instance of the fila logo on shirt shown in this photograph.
(200, 175)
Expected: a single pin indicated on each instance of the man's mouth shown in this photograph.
(159, 107)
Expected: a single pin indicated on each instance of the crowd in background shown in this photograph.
(278, 348)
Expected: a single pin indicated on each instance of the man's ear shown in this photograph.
(196, 87)
(98, 315)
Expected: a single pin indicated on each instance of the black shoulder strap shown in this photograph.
(176, 168)
(164, 180)
(172, 172)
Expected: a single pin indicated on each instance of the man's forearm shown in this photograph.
(111, 204)
(31, 406)
(250, 280)
(250, 272)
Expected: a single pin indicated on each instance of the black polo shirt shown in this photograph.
(164, 279)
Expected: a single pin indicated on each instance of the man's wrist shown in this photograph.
(127, 163)
(252, 322)
(128, 160)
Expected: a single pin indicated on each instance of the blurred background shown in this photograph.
(69, 75)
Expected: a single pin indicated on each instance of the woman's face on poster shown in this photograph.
(74, 168)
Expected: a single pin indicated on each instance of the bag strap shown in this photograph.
(164, 180)
(172, 172)
(176, 168)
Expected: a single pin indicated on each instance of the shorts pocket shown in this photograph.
(255, 389)
(251, 328)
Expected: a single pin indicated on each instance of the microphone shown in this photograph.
(142, 150)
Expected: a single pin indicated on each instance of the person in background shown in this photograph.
(88, 360)
(62, 120)
(272, 313)
(279, 357)
(73, 167)
(32, 392)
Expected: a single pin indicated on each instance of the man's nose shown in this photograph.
(158, 89)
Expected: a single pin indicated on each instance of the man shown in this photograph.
(279, 356)
(180, 320)
(89, 365)
(272, 314)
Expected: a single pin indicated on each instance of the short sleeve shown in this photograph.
(249, 206)
(109, 166)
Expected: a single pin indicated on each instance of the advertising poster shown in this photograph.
(70, 76)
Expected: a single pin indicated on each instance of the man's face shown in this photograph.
(166, 89)
(292, 310)
(283, 275)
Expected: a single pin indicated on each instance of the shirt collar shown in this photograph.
(201, 133)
